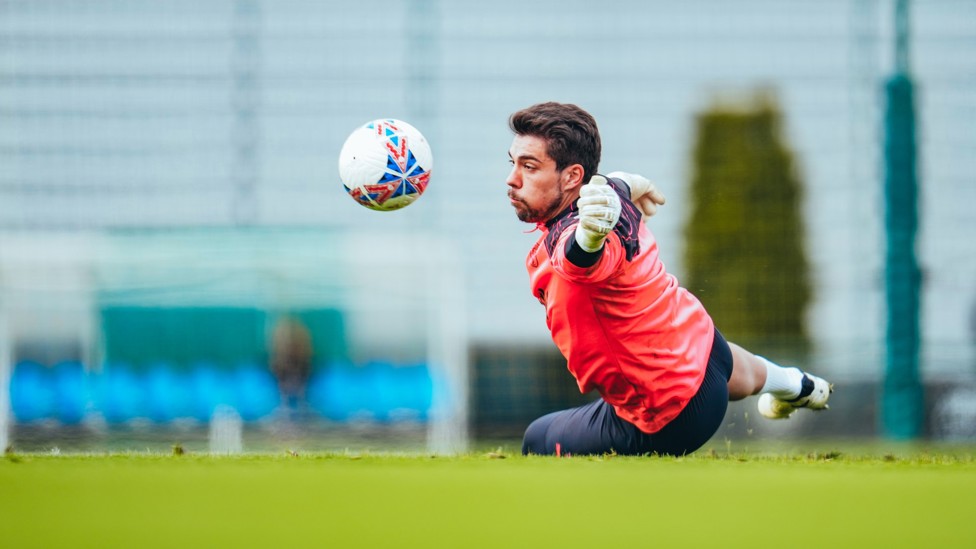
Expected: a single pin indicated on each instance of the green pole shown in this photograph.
(902, 400)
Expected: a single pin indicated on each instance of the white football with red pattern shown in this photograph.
(385, 164)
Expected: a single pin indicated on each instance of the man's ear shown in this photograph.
(572, 177)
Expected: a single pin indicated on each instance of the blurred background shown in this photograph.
(179, 263)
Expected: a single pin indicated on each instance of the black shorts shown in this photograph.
(596, 429)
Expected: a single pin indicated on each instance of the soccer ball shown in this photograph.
(385, 164)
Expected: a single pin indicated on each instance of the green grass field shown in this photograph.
(489, 499)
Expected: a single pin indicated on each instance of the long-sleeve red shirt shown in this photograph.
(625, 326)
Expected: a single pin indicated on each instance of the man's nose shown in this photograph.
(513, 179)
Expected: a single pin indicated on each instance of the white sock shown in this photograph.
(785, 383)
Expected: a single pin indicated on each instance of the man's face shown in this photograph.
(535, 187)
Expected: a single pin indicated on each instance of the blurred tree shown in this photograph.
(745, 255)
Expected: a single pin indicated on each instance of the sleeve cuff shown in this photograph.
(576, 255)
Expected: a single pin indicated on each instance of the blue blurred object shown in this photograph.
(120, 393)
(209, 388)
(335, 391)
(377, 390)
(255, 392)
(415, 392)
(380, 385)
(167, 393)
(401, 392)
(71, 394)
(31, 392)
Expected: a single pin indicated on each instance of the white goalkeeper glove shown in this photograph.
(599, 211)
(643, 193)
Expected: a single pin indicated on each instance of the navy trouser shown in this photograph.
(596, 429)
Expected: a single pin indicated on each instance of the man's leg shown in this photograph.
(593, 429)
(749, 373)
(784, 389)
(704, 413)
(596, 428)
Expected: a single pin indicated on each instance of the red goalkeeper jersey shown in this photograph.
(625, 326)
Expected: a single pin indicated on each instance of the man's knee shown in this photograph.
(534, 441)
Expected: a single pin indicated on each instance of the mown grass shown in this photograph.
(884, 497)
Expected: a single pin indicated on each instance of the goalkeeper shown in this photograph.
(664, 372)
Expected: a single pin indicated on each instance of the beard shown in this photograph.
(540, 214)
